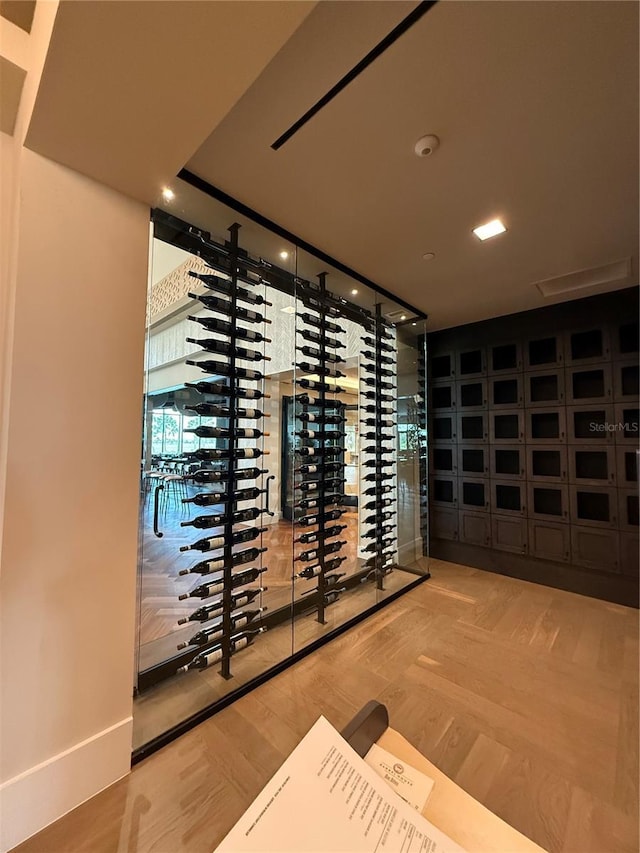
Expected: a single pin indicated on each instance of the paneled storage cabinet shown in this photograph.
(536, 438)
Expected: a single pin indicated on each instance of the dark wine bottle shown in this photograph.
(377, 518)
(236, 474)
(314, 485)
(320, 435)
(219, 541)
(208, 611)
(321, 535)
(374, 490)
(224, 432)
(378, 410)
(327, 450)
(310, 417)
(224, 327)
(317, 338)
(382, 359)
(212, 454)
(206, 522)
(379, 531)
(212, 498)
(381, 504)
(378, 546)
(321, 306)
(381, 464)
(370, 342)
(221, 368)
(207, 567)
(383, 424)
(376, 436)
(322, 355)
(320, 468)
(222, 390)
(319, 370)
(377, 478)
(206, 590)
(320, 322)
(223, 348)
(211, 410)
(223, 285)
(214, 654)
(306, 400)
(378, 371)
(214, 632)
(313, 385)
(332, 597)
(372, 383)
(371, 395)
(224, 306)
(308, 520)
(309, 572)
(316, 553)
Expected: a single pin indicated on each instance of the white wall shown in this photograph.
(70, 513)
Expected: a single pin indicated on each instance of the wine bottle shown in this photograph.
(317, 435)
(236, 474)
(381, 464)
(375, 518)
(207, 567)
(212, 498)
(381, 504)
(205, 522)
(322, 355)
(321, 306)
(222, 390)
(382, 359)
(308, 520)
(378, 546)
(223, 285)
(224, 306)
(376, 436)
(382, 451)
(374, 490)
(222, 368)
(208, 611)
(378, 410)
(215, 653)
(223, 348)
(377, 478)
(211, 410)
(370, 342)
(223, 327)
(317, 338)
(316, 553)
(224, 432)
(371, 395)
(320, 322)
(306, 400)
(309, 572)
(383, 424)
(379, 531)
(319, 370)
(212, 454)
(327, 450)
(378, 371)
(321, 419)
(215, 631)
(372, 383)
(321, 535)
(313, 385)
(314, 485)
(219, 541)
(206, 590)
(321, 468)
(332, 597)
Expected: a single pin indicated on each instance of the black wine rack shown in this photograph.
(319, 465)
(378, 470)
(233, 300)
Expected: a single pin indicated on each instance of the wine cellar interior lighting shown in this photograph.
(354, 292)
(428, 256)
(168, 194)
(284, 255)
(489, 229)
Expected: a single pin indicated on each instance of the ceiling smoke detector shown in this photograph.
(426, 145)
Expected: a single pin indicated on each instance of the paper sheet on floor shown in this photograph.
(326, 799)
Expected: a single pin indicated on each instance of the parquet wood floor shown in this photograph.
(526, 696)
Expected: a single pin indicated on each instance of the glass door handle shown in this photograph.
(156, 505)
(269, 513)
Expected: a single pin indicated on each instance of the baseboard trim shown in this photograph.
(619, 589)
(39, 796)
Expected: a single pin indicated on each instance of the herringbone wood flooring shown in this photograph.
(526, 696)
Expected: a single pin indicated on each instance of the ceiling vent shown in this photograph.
(396, 316)
(607, 277)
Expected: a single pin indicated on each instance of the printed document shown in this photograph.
(326, 799)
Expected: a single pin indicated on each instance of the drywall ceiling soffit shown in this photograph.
(19, 12)
(536, 105)
(11, 82)
(131, 89)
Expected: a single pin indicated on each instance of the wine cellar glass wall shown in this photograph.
(283, 449)
(534, 445)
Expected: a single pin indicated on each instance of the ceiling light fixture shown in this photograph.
(403, 317)
(168, 194)
(428, 256)
(284, 255)
(489, 229)
(354, 291)
(426, 145)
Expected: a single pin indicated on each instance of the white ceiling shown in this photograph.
(536, 105)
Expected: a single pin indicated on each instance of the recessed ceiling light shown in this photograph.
(168, 194)
(289, 309)
(354, 292)
(403, 317)
(489, 229)
(284, 255)
(414, 324)
(428, 256)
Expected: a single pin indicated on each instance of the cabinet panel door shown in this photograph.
(595, 549)
(549, 541)
(544, 388)
(444, 523)
(507, 462)
(629, 547)
(628, 510)
(593, 506)
(592, 465)
(625, 381)
(509, 534)
(547, 464)
(504, 358)
(474, 528)
(544, 352)
(588, 345)
(591, 383)
(548, 502)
